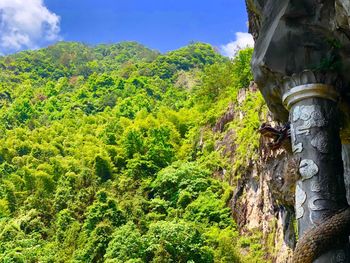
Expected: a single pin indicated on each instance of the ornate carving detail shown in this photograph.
(340, 257)
(303, 112)
(296, 147)
(318, 203)
(300, 198)
(306, 91)
(315, 186)
(320, 142)
(296, 114)
(278, 134)
(307, 168)
(317, 216)
(311, 116)
(305, 77)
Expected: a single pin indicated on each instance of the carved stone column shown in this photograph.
(320, 191)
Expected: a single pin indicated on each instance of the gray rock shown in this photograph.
(292, 36)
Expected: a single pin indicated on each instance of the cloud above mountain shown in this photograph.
(243, 40)
(26, 24)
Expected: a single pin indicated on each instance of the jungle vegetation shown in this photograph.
(108, 154)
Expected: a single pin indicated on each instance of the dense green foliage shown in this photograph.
(102, 156)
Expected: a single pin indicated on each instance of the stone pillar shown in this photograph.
(346, 162)
(320, 191)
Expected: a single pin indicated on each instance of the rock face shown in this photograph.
(292, 36)
(300, 64)
(346, 160)
(264, 200)
(264, 196)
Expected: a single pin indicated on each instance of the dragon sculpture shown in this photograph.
(300, 64)
(277, 134)
(319, 238)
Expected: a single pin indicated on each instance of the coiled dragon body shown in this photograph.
(323, 237)
(326, 235)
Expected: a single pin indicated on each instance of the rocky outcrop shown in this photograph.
(259, 204)
(296, 35)
(263, 195)
(301, 64)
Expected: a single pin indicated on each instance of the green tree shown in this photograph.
(127, 243)
(176, 242)
(103, 209)
(103, 168)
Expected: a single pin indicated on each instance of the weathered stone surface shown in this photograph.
(265, 193)
(301, 44)
(263, 198)
(346, 161)
(292, 36)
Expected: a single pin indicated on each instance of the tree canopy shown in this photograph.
(107, 154)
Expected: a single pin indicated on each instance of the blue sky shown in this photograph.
(158, 24)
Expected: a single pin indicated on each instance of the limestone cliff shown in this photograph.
(292, 36)
(264, 186)
(300, 64)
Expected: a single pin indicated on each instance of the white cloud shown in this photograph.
(243, 40)
(26, 24)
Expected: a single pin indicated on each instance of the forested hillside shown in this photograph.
(110, 154)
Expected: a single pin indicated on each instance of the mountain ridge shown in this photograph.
(116, 160)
